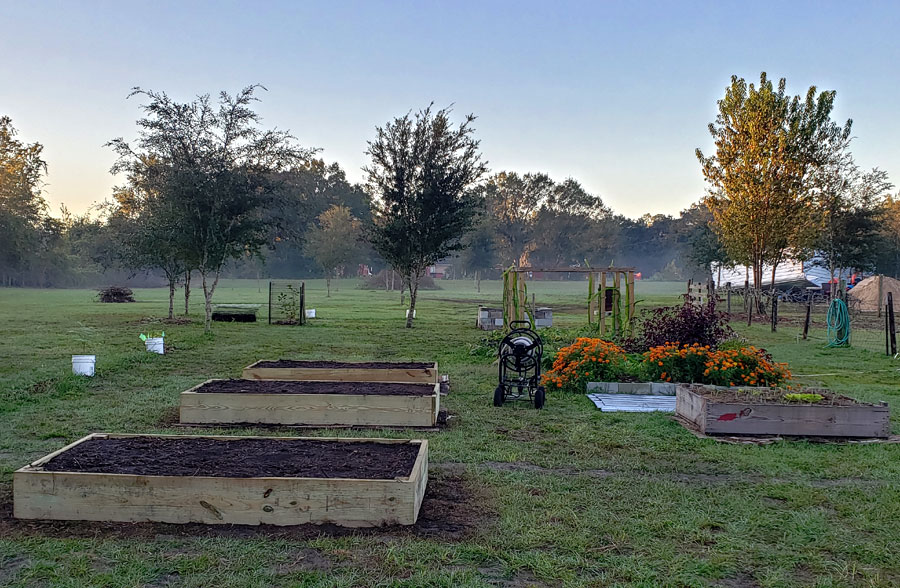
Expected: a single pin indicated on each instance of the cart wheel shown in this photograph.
(539, 396)
(498, 396)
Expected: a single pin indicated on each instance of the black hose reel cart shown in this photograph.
(519, 355)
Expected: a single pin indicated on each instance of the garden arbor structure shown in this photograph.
(614, 286)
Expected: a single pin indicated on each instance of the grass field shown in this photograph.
(566, 496)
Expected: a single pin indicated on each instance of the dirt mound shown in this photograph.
(865, 294)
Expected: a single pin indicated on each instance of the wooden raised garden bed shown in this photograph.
(761, 411)
(343, 371)
(276, 402)
(226, 480)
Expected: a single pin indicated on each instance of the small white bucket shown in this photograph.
(310, 313)
(83, 365)
(156, 345)
(407, 313)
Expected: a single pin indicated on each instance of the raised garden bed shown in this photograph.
(343, 371)
(226, 480)
(764, 411)
(325, 403)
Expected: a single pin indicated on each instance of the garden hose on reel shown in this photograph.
(838, 324)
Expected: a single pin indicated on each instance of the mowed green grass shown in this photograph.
(565, 496)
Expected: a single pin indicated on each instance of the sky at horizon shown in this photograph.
(614, 94)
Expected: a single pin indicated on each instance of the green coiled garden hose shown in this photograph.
(838, 324)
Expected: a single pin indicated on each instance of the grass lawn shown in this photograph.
(566, 496)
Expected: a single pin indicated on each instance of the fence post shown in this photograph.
(270, 302)
(892, 327)
(749, 298)
(774, 312)
(880, 293)
(808, 312)
(728, 296)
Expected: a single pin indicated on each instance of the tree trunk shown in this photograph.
(171, 297)
(477, 282)
(187, 292)
(413, 290)
(208, 291)
(327, 286)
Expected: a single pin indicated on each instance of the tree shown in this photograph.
(848, 206)
(513, 202)
(480, 252)
(333, 242)
(767, 145)
(217, 170)
(422, 173)
(703, 247)
(889, 254)
(22, 208)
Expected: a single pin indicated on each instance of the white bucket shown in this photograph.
(310, 313)
(155, 345)
(407, 313)
(83, 365)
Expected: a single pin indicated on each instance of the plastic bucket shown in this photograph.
(83, 365)
(407, 313)
(155, 345)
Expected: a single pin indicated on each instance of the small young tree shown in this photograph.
(421, 175)
(221, 172)
(334, 242)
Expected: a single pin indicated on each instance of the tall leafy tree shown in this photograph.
(768, 144)
(513, 202)
(889, 252)
(218, 169)
(23, 210)
(421, 175)
(334, 242)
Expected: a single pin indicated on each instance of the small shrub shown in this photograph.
(116, 294)
(747, 366)
(687, 324)
(586, 360)
(808, 398)
(674, 363)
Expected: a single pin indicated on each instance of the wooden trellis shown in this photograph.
(613, 285)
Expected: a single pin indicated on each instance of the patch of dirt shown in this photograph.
(169, 417)
(453, 509)
(495, 576)
(238, 458)
(306, 559)
(292, 387)
(742, 580)
(523, 435)
(10, 567)
(340, 365)
(770, 396)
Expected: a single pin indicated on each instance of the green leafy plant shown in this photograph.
(289, 303)
(807, 398)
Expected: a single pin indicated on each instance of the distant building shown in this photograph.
(439, 270)
(789, 273)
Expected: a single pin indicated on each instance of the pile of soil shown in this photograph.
(341, 365)
(865, 294)
(239, 458)
(290, 387)
(772, 396)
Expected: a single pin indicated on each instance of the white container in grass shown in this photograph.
(310, 313)
(155, 342)
(83, 365)
(407, 313)
(156, 345)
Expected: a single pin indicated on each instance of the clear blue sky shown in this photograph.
(615, 94)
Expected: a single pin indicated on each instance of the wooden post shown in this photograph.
(746, 294)
(774, 312)
(880, 293)
(808, 313)
(302, 303)
(631, 302)
(602, 304)
(617, 303)
(270, 302)
(892, 327)
(728, 296)
(523, 300)
(750, 303)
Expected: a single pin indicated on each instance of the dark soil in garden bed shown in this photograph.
(338, 365)
(239, 458)
(291, 387)
(739, 395)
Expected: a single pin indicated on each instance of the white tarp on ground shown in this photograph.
(788, 273)
(633, 402)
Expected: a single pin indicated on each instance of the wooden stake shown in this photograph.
(880, 293)
(631, 302)
(892, 327)
(602, 304)
(774, 312)
(808, 313)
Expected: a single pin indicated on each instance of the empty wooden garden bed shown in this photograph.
(226, 480)
(276, 402)
(343, 371)
(763, 411)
